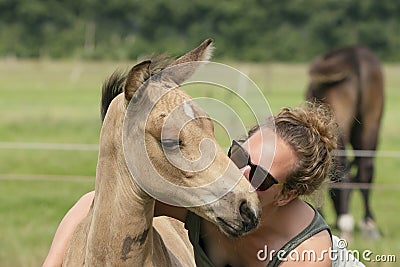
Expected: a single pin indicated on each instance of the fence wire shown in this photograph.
(95, 147)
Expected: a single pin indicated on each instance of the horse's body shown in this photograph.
(118, 231)
(350, 81)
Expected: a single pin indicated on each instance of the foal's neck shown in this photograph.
(121, 229)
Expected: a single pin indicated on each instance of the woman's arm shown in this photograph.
(79, 211)
(66, 228)
(163, 209)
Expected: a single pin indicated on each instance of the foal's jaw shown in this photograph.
(235, 213)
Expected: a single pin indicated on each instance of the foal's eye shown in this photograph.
(171, 144)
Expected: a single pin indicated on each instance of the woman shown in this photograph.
(299, 160)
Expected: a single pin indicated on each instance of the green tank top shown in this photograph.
(193, 222)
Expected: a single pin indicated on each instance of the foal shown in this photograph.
(157, 143)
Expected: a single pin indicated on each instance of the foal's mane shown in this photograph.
(114, 85)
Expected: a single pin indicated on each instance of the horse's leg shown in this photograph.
(341, 99)
(341, 196)
(365, 138)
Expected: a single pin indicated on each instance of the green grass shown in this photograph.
(58, 102)
(30, 212)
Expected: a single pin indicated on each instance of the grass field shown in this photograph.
(58, 102)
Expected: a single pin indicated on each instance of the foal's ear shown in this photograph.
(201, 53)
(136, 77)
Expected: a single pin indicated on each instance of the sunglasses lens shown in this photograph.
(259, 177)
(239, 156)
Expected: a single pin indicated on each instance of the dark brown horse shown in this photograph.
(350, 81)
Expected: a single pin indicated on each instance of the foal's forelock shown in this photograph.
(112, 87)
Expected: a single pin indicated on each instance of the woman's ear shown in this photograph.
(286, 197)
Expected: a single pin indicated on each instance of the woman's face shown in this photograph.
(270, 152)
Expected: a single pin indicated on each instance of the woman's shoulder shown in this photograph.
(314, 251)
(317, 235)
(318, 242)
(312, 245)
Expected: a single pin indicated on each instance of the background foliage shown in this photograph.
(246, 30)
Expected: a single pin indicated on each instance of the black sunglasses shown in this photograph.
(259, 178)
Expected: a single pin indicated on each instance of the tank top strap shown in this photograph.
(193, 225)
(317, 225)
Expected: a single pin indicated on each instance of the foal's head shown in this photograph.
(171, 151)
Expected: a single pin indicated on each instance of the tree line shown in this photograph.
(245, 30)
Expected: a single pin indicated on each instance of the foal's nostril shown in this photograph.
(243, 208)
(250, 220)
